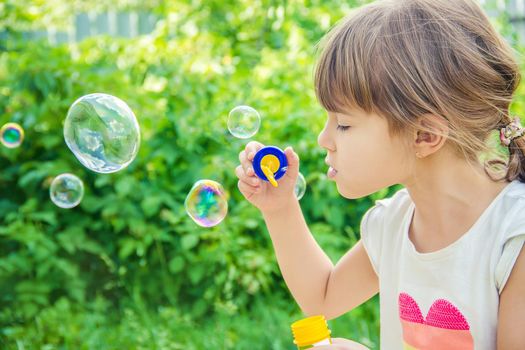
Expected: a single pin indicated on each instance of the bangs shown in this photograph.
(347, 73)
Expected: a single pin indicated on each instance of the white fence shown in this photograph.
(132, 24)
(116, 24)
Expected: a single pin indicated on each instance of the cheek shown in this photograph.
(389, 159)
(374, 165)
(363, 153)
(366, 150)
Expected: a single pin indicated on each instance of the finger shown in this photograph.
(246, 164)
(339, 340)
(293, 163)
(250, 180)
(247, 190)
(349, 344)
(251, 148)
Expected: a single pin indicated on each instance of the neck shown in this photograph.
(449, 195)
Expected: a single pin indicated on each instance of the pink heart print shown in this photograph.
(445, 327)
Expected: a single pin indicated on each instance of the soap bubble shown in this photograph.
(206, 203)
(102, 132)
(244, 122)
(66, 191)
(11, 135)
(300, 186)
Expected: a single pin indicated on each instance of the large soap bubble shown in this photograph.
(206, 203)
(102, 132)
(243, 122)
(66, 191)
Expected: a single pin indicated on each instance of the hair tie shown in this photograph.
(511, 132)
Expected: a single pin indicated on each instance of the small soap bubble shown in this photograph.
(243, 122)
(102, 132)
(206, 203)
(11, 135)
(300, 186)
(66, 191)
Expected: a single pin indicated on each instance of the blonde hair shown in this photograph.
(403, 59)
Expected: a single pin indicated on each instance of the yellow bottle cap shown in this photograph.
(310, 330)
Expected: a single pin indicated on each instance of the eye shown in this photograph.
(343, 127)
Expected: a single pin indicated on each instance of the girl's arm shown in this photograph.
(318, 286)
(511, 318)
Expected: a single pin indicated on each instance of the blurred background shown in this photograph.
(128, 269)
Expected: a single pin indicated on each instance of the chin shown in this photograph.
(351, 193)
(355, 192)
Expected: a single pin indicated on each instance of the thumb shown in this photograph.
(293, 163)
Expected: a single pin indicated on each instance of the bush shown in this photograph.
(128, 268)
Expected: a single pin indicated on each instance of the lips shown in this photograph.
(332, 172)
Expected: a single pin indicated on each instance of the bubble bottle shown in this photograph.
(310, 332)
(270, 164)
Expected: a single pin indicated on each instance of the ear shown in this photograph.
(430, 134)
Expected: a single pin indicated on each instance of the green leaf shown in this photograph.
(189, 241)
(176, 264)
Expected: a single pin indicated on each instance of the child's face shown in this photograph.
(365, 157)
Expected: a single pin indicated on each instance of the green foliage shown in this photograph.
(130, 248)
(128, 269)
(66, 325)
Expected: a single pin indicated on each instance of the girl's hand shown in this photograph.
(261, 193)
(342, 344)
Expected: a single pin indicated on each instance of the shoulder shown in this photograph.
(389, 209)
(512, 210)
(509, 223)
(381, 226)
(387, 212)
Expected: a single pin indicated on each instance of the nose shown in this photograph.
(325, 140)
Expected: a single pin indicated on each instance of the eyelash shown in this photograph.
(343, 127)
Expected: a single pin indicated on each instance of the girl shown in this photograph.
(413, 90)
